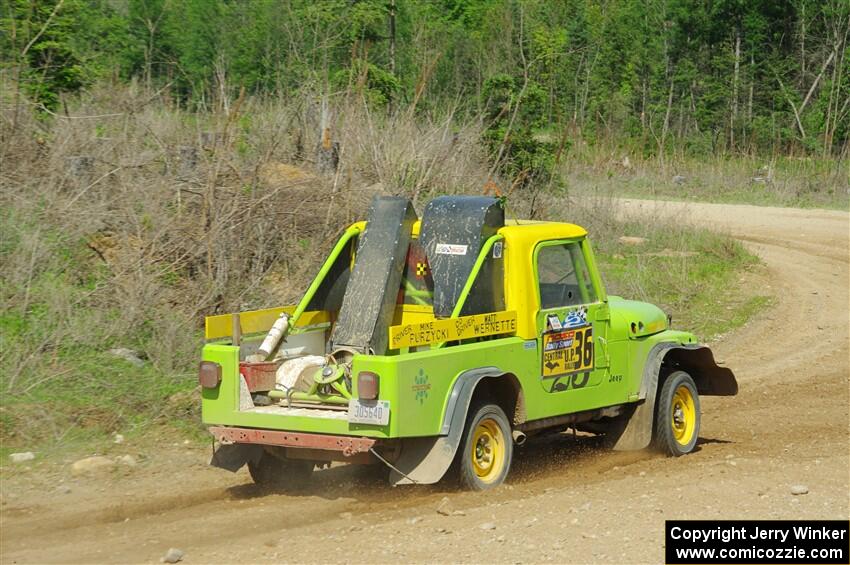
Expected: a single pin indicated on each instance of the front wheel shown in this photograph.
(275, 472)
(487, 448)
(677, 415)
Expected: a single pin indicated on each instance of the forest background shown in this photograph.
(162, 160)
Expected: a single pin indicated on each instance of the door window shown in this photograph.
(563, 277)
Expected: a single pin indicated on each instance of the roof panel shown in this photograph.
(531, 231)
(524, 229)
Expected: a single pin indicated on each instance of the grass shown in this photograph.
(781, 181)
(700, 277)
(82, 396)
(61, 388)
(138, 252)
(756, 195)
(699, 283)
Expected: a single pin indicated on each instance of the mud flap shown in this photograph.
(234, 455)
(423, 460)
(636, 433)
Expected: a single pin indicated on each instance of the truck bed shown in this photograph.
(309, 412)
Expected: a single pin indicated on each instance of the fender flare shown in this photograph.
(698, 361)
(424, 460)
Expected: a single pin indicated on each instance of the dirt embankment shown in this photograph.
(568, 500)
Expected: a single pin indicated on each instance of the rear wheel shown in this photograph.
(275, 472)
(487, 448)
(677, 415)
(375, 473)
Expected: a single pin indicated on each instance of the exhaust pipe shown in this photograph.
(519, 437)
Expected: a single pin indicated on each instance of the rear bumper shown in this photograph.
(348, 445)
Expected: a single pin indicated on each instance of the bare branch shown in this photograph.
(817, 79)
(793, 106)
(43, 28)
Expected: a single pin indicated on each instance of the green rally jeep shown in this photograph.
(448, 339)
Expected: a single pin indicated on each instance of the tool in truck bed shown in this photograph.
(452, 337)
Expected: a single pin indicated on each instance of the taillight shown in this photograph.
(367, 385)
(209, 374)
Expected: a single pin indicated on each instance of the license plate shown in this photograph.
(366, 412)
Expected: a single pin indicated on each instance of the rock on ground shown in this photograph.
(22, 457)
(799, 489)
(445, 507)
(173, 555)
(91, 465)
(128, 355)
(127, 460)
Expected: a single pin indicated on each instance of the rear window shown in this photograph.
(487, 293)
(417, 285)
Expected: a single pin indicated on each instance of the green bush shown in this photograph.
(515, 117)
(379, 86)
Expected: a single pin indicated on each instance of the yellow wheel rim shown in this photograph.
(488, 450)
(683, 415)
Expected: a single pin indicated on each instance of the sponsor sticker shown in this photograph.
(576, 318)
(421, 386)
(560, 340)
(497, 250)
(451, 249)
(567, 351)
(554, 322)
(452, 329)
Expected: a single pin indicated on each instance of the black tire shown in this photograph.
(486, 437)
(677, 415)
(285, 474)
(376, 473)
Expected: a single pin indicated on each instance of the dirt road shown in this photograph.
(567, 500)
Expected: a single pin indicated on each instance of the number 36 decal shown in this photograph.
(567, 351)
